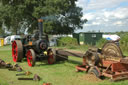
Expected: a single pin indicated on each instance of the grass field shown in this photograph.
(61, 73)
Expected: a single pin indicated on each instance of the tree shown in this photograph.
(12, 16)
(2, 31)
(61, 16)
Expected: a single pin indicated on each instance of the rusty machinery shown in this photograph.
(108, 61)
(33, 47)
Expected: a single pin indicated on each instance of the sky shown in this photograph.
(104, 15)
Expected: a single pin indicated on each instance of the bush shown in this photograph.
(67, 41)
(124, 42)
(101, 42)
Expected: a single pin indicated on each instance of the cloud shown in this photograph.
(120, 23)
(88, 16)
(98, 4)
(95, 23)
(119, 13)
(82, 3)
(107, 20)
(107, 15)
(87, 25)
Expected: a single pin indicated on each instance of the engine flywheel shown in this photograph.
(111, 50)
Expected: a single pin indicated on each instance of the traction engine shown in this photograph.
(33, 47)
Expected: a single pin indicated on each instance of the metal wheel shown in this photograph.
(110, 49)
(51, 56)
(17, 50)
(31, 57)
(94, 71)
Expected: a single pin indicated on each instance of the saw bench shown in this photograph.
(108, 61)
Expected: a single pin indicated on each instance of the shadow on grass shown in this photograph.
(59, 61)
(74, 62)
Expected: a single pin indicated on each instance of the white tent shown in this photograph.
(113, 37)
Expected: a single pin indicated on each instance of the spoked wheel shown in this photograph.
(111, 50)
(94, 71)
(51, 57)
(17, 51)
(31, 57)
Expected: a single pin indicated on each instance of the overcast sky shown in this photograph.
(104, 15)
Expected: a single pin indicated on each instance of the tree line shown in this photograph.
(61, 16)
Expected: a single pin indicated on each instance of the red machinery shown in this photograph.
(108, 61)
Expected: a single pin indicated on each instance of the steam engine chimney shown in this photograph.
(40, 25)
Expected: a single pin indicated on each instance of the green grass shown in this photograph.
(81, 48)
(61, 73)
(3, 82)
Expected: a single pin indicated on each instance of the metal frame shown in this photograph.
(115, 70)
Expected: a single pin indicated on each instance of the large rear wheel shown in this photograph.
(17, 50)
(31, 57)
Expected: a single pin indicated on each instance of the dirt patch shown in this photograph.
(90, 78)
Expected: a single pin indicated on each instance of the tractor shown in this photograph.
(33, 47)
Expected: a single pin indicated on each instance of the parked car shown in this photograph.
(10, 39)
(7, 40)
(15, 37)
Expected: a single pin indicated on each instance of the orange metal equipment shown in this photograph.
(116, 69)
(113, 69)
